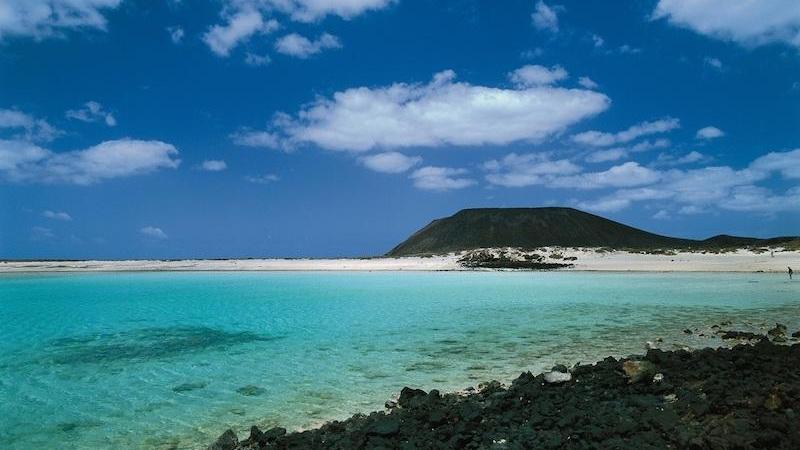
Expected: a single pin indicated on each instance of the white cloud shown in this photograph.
(534, 75)
(25, 162)
(602, 139)
(433, 178)
(787, 163)
(24, 126)
(301, 47)
(709, 133)
(713, 62)
(516, 170)
(662, 214)
(315, 10)
(617, 153)
(56, 215)
(598, 40)
(258, 139)
(587, 82)
(153, 232)
(262, 179)
(251, 59)
(440, 113)
(666, 159)
(747, 22)
(92, 112)
(701, 190)
(545, 18)
(240, 27)
(628, 50)
(611, 154)
(41, 19)
(213, 165)
(175, 34)
(628, 174)
(390, 162)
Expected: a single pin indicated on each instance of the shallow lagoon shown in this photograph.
(169, 360)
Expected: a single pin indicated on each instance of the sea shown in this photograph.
(170, 360)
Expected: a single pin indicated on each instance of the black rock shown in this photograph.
(226, 441)
(386, 425)
(408, 394)
(746, 335)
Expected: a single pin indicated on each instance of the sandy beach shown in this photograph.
(588, 259)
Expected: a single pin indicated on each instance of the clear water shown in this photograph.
(170, 360)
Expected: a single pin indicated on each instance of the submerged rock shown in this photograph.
(745, 335)
(186, 387)
(251, 390)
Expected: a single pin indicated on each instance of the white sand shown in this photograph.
(587, 259)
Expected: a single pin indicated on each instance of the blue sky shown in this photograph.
(135, 129)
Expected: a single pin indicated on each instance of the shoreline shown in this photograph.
(704, 398)
(580, 259)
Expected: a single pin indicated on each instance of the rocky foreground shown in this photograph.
(739, 398)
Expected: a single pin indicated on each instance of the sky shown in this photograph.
(251, 128)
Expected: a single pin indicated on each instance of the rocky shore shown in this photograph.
(743, 397)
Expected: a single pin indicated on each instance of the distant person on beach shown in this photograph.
(790, 272)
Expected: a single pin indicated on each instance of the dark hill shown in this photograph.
(539, 227)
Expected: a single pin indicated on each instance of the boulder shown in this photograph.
(778, 334)
(226, 441)
(639, 371)
(407, 396)
(384, 425)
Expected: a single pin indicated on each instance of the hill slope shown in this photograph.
(538, 227)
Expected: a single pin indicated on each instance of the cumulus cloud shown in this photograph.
(432, 178)
(25, 126)
(709, 133)
(747, 22)
(315, 10)
(587, 82)
(617, 153)
(213, 165)
(153, 232)
(534, 75)
(442, 112)
(301, 47)
(257, 139)
(92, 112)
(56, 215)
(390, 162)
(603, 139)
(628, 174)
(515, 170)
(41, 19)
(26, 162)
(666, 159)
(240, 26)
(545, 18)
(700, 190)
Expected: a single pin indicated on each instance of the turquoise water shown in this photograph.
(170, 360)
